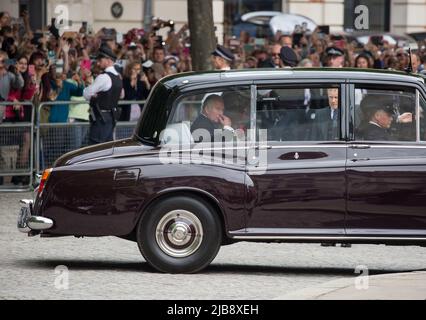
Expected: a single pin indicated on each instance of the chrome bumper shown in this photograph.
(28, 222)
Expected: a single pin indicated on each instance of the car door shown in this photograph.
(296, 183)
(386, 179)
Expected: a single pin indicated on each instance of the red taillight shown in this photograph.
(43, 180)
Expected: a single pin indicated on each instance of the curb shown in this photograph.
(396, 286)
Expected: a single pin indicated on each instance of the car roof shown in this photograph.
(193, 78)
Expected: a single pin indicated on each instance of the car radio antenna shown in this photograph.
(409, 68)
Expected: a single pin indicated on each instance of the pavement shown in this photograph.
(398, 286)
(111, 268)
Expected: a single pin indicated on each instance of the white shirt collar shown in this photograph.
(376, 124)
(112, 70)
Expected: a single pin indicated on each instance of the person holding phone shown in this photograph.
(136, 87)
(20, 113)
(8, 80)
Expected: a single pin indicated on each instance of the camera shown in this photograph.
(159, 24)
(377, 40)
(170, 24)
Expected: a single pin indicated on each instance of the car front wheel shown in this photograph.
(179, 235)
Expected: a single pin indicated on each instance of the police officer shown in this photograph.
(222, 58)
(104, 94)
(288, 57)
(335, 57)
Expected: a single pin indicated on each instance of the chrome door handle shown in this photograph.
(263, 147)
(360, 146)
(359, 160)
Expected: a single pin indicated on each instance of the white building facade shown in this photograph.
(398, 16)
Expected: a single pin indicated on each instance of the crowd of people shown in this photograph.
(46, 66)
(42, 66)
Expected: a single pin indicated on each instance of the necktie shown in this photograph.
(333, 134)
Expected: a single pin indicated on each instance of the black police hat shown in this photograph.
(106, 52)
(224, 53)
(373, 103)
(288, 56)
(334, 51)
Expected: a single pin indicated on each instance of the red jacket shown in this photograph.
(23, 94)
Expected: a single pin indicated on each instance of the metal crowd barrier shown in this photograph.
(27, 148)
(17, 151)
(55, 139)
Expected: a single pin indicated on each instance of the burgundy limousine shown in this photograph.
(294, 155)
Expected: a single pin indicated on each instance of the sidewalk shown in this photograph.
(398, 286)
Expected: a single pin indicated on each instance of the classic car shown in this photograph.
(328, 156)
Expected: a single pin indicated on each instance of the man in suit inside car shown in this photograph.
(326, 126)
(210, 119)
(378, 115)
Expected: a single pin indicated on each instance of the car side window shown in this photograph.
(206, 115)
(300, 113)
(385, 114)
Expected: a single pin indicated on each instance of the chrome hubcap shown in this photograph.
(179, 233)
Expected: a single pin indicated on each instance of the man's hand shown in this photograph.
(405, 118)
(225, 121)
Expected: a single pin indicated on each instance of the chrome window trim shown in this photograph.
(417, 116)
(247, 147)
(326, 238)
(253, 114)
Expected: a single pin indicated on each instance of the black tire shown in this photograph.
(176, 214)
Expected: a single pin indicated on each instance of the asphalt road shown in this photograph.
(111, 268)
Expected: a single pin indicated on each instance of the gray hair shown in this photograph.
(210, 100)
(305, 62)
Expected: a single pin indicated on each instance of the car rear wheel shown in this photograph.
(179, 235)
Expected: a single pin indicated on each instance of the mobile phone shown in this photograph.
(377, 40)
(259, 42)
(340, 44)
(59, 69)
(186, 51)
(119, 37)
(234, 42)
(53, 30)
(296, 39)
(59, 66)
(31, 70)
(325, 29)
(85, 65)
(37, 36)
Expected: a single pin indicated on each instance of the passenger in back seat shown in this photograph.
(211, 118)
